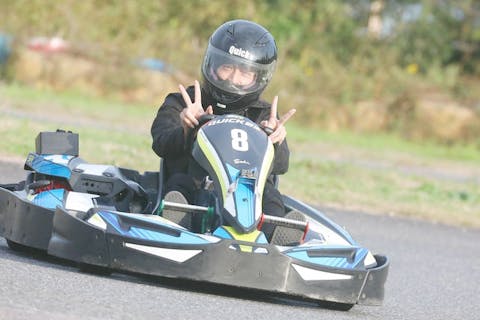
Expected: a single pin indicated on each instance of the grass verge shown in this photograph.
(378, 173)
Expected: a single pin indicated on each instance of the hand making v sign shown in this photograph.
(277, 125)
(194, 110)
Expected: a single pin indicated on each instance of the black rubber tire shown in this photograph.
(15, 246)
(97, 270)
(336, 305)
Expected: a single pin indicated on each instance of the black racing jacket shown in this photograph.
(169, 141)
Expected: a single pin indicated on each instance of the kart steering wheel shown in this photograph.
(267, 130)
(204, 118)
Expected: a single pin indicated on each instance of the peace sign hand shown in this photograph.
(194, 110)
(277, 125)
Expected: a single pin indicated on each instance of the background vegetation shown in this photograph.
(337, 66)
(389, 90)
(376, 173)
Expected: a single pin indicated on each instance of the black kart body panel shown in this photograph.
(24, 223)
(112, 218)
(62, 234)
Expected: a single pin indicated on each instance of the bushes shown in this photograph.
(329, 68)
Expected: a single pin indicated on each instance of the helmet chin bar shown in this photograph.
(236, 106)
(225, 99)
(226, 102)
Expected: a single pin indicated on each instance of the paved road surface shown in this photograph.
(434, 274)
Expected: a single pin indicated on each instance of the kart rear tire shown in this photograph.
(336, 305)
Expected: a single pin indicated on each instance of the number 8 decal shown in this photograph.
(239, 140)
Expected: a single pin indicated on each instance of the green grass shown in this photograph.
(111, 131)
(380, 142)
(377, 173)
(384, 191)
(71, 105)
(98, 144)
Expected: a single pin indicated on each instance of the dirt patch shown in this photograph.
(402, 163)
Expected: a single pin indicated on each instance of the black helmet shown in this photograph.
(242, 45)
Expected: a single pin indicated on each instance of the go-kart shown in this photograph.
(117, 219)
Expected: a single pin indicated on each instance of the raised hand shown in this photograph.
(194, 110)
(277, 125)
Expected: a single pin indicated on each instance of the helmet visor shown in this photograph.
(234, 74)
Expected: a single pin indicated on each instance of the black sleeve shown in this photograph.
(282, 158)
(282, 153)
(167, 130)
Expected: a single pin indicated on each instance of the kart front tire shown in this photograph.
(97, 270)
(15, 246)
(336, 305)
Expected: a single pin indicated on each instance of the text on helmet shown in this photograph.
(240, 52)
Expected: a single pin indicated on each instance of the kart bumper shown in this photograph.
(263, 267)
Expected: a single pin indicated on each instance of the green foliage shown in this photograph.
(328, 62)
(168, 27)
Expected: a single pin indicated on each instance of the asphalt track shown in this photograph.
(434, 274)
